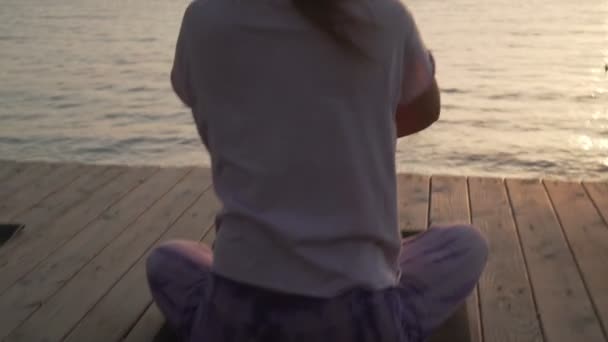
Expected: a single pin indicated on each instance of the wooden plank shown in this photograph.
(148, 326)
(413, 202)
(599, 194)
(46, 211)
(507, 307)
(42, 215)
(587, 235)
(59, 266)
(87, 185)
(450, 205)
(449, 201)
(565, 310)
(152, 321)
(9, 169)
(112, 317)
(59, 314)
(22, 254)
(6, 168)
(38, 189)
(30, 174)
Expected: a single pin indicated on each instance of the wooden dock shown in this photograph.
(76, 271)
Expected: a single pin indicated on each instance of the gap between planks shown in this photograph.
(555, 279)
(58, 315)
(507, 309)
(449, 204)
(586, 234)
(122, 297)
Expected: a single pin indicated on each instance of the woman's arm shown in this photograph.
(180, 78)
(420, 113)
(419, 102)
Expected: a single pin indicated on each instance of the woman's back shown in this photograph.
(296, 102)
(302, 140)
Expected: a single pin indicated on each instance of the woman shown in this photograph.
(299, 103)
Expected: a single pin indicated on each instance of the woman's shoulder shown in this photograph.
(393, 12)
(202, 13)
(196, 6)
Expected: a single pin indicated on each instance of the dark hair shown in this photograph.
(330, 17)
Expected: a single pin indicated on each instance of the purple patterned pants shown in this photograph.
(440, 268)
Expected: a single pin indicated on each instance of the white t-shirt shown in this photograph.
(301, 135)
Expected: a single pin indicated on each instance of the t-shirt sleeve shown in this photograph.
(180, 72)
(418, 66)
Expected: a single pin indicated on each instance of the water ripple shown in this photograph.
(524, 88)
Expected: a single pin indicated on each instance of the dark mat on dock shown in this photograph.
(8, 230)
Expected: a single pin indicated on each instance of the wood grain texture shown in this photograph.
(112, 317)
(38, 189)
(152, 321)
(450, 205)
(10, 168)
(449, 201)
(148, 326)
(77, 268)
(587, 234)
(507, 307)
(58, 315)
(39, 218)
(598, 192)
(32, 173)
(40, 239)
(34, 289)
(565, 309)
(42, 215)
(413, 202)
